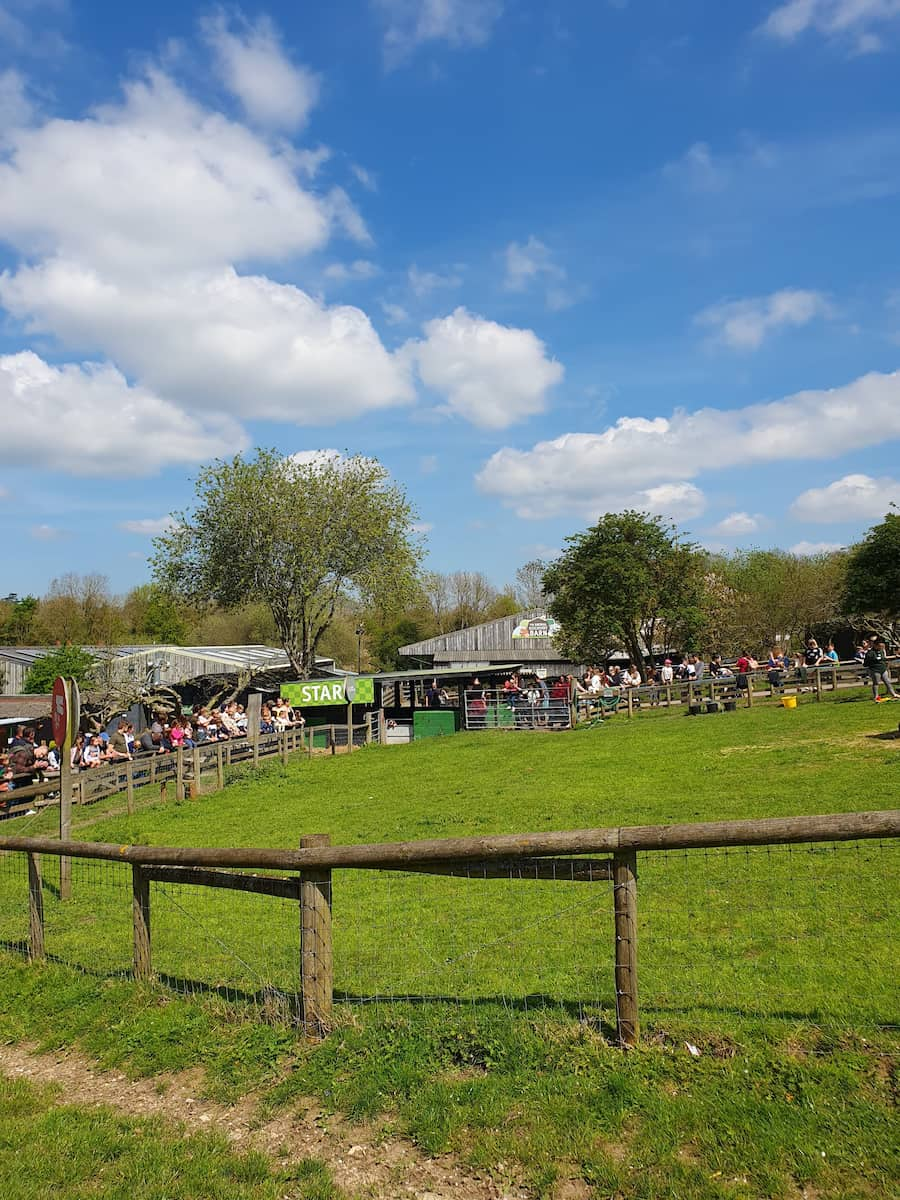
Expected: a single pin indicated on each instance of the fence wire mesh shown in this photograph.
(14, 902)
(805, 933)
(241, 947)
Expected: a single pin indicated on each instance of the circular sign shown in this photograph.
(349, 688)
(59, 710)
(74, 711)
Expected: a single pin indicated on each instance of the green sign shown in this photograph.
(315, 693)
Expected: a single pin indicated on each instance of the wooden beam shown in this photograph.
(261, 885)
(625, 903)
(316, 952)
(140, 915)
(35, 909)
(771, 831)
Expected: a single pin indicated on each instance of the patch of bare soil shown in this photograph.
(363, 1161)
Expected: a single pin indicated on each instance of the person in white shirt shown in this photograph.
(666, 673)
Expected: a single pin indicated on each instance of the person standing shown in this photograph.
(876, 663)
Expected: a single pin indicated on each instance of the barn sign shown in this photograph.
(316, 693)
(536, 627)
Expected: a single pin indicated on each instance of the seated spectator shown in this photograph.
(177, 734)
(831, 654)
(118, 747)
(266, 723)
(93, 753)
(23, 763)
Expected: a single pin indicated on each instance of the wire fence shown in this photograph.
(803, 932)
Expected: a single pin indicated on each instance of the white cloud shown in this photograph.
(157, 182)
(532, 262)
(87, 420)
(422, 527)
(490, 374)
(412, 23)
(745, 324)
(853, 498)
(423, 282)
(15, 108)
(857, 20)
(811, 549)
(736, 524)
(254, 67)
(680, 501)
(576, 472)
(148, 526)
(365, 177)
(428, 464)
(394, 314)
(46, 533)
(219, 340)
(361, 268)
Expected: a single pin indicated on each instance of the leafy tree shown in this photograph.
(66, 660)
(154, 616)
(628, 580)
(16, 621)
(302, 536)
(872, 586)
(754, 598)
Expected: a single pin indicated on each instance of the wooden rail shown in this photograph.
(515, 856)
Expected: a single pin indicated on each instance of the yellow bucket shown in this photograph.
(789, 701)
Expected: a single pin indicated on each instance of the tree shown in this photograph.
(755, 598)
(17, 620)
(872, 583)
(300, 535)
(626, 580)
(68, 660)
(530, 584)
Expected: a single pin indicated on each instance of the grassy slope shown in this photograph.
(50, 1151)
(797, 1078)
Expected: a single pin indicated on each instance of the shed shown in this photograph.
(526, 638)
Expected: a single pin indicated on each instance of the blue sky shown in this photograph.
(543, 260)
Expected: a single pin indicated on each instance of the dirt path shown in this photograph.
(362, 1160)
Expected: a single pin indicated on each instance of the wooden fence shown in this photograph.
(183, 771)
(712, 693)
(520, 856)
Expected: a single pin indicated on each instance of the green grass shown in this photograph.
(781, 966)
(51, 1150)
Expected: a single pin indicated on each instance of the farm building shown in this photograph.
(155, 665)
(526, 638)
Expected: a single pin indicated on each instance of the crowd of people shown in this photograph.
(780, 668)
(28, 760)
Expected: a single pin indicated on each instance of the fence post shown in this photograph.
(350, 727)
(749, 690)
(140, 912)
(65, 820)
(368, 729)
(630, 699)
(284, 747)
(35, 909)
(179, 774)
(818, 683)
(129, 787)
(316, 953)
(220, 766)
(625, 904)
(195, 772)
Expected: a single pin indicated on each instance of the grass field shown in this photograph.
(474, 1014)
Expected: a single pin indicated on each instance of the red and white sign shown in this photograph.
(59, 710)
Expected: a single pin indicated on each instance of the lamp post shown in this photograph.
(360, 630)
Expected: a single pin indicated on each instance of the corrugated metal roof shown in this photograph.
(238, 656)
